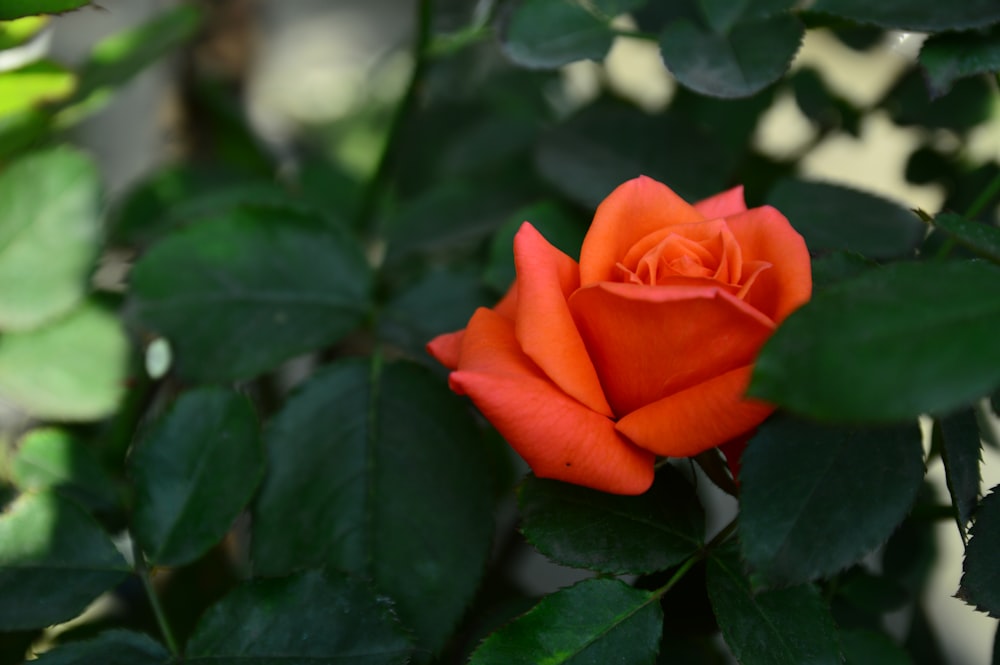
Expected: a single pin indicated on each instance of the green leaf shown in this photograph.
(315, 617)
(552, 33)
(118, 58)
(180, 195)
(978, 237)
(354, 434)
(576, 526)
(967, 105)
(439, 302)
(33, 85)
(112, 647)
(560, 227)
(54, 560)
(193, 472)
(21, 31)
(239, 294)
(746, 57)
(17, 8)
(837, 266)
(608, 143)
(980, 585)
(787, 626)
(50, 458)
(961, 451)
(862, 647)
(49, 228)
(832, 217)
(917, 15)
(595, 622)
(888, 345)
(814, 499)
(950, 56)
(72, 369)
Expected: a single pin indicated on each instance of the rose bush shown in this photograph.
(644, 348)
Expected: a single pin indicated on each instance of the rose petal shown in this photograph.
(544, 325)
(631, 212)
(696, 419)
(556, 435)
(447, 348)
(764, 234)
(724, 204)
(648, 342)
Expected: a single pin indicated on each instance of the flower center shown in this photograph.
(707, 251)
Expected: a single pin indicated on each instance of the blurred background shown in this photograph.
(329, 74)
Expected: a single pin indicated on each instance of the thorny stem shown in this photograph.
(370, 197)
(689, 563)
(154, 601)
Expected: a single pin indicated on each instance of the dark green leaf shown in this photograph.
(314, 617)
(950, 56)
(239, 294)
(352, 435)
(73, 368)
(980, 586)
(837, 266)
(968, 104)
(779, 627)
(552, 33)
(922, 641)
(112, 647)
(979, 237)
(579, 527)
(11, 9)
(918, 15)
(439, 302)
(453, 218)
(559, 226)
(815, 499)
(961, 451)
(194, 471)
(54, 459)
(49, 230)
(607, 143)
(180, 195)
(863, 647)
(888, 345)
(118, 58)
(836, 217)
(870, 593)
(54, 560)
(749, 56)
(595, 622)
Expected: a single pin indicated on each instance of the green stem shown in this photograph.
(984, 197)
(689, 563)
(154, 601)
(370, 197)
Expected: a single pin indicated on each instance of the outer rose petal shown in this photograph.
(544, 325)
(447, 348)
(649, 342)
(696, 419)
(555, 434)
(725, 204)
(631, 212)
(764, 234)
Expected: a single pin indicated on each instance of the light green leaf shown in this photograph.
(72, 369)
(49, 228)
(17, 8)
(33, 85)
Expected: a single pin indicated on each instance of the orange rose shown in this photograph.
(644, 348)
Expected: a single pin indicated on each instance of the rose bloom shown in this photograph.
(644, 348)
